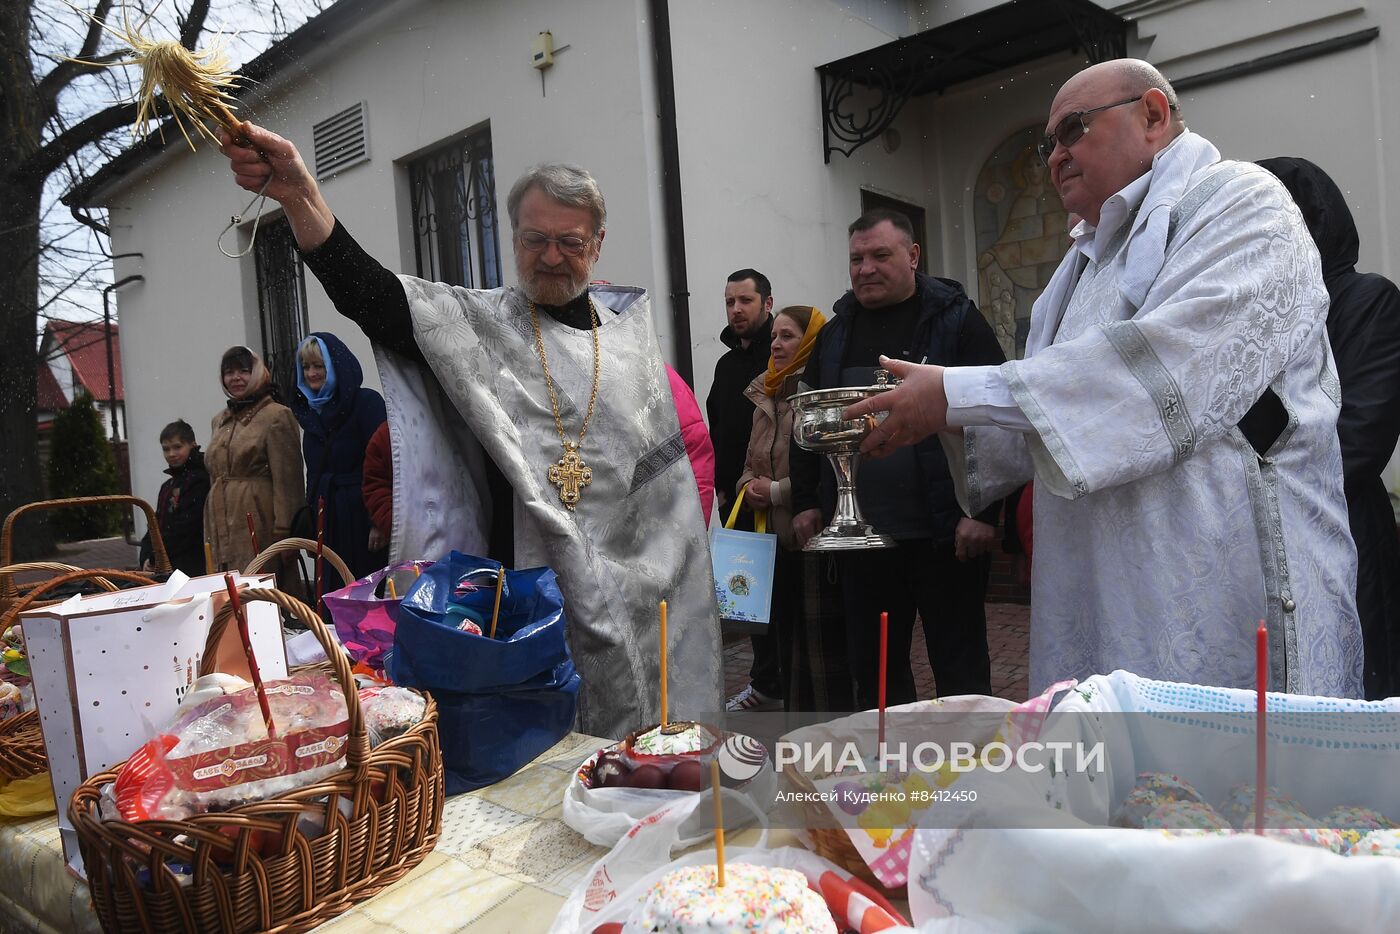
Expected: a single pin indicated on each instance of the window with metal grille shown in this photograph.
(281, 302)
(454, 213)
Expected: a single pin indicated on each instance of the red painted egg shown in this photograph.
(647, 776)
(688, 776)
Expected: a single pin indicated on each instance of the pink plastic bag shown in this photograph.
(364, 612)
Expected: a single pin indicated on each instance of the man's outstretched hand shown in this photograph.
(917, 408)
(268, 159)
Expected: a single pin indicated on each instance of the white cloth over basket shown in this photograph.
(1063, 870)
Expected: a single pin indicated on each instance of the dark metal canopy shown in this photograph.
(984, 43)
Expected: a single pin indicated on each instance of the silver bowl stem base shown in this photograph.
(848, 539)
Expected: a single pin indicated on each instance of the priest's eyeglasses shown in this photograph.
(535, 242)
(1071, 129)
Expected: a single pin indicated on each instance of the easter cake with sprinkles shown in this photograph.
(753, 898)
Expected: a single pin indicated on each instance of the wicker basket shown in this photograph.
(10, 591)
(253, 870)
(265, 562)
(21, 738)
(828, 838)
(22, 747)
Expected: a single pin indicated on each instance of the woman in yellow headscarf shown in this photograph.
(767, 486)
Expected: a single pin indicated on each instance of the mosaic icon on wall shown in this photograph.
(1021, 236)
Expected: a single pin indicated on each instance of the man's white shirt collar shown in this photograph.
(1089, 239)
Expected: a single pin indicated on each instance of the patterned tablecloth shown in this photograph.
(505, 862)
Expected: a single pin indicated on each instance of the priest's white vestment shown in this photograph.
(1161, 537)
(637, 535)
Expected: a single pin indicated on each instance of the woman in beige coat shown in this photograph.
(769, 487)
(254, 463)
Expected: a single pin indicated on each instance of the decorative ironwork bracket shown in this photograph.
(842, 120)
(848, 125)
(1099, 36)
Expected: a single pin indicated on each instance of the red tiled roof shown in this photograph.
(86, 346)
(51, 398)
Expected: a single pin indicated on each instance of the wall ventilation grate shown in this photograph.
(341, 141)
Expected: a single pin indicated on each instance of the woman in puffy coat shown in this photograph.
(254, 463)
(338, 418)
(769, 485)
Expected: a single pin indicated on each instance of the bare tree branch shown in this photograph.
(65, 71)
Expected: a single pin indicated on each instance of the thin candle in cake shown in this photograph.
(719, 823)
(664, 708)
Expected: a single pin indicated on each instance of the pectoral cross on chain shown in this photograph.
(570, 474)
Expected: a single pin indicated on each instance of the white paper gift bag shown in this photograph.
(743, 568)
(109, 670)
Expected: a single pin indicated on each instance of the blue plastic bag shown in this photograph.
(502, 701)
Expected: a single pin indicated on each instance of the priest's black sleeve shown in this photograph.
(372, 297)
(365, 292)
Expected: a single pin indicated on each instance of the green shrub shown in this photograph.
(81, 464)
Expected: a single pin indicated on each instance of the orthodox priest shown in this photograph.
(1177, 407)
(535, 423)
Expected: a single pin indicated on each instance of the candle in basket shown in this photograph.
(320, 545)
(496, 607)
(242, 621)
(1261, 676)
(884, 670)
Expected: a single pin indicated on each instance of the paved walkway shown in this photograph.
(112, 553)
(1008, 625)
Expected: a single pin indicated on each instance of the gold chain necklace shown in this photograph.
(569, 474)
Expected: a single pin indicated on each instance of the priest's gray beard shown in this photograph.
(553, 285)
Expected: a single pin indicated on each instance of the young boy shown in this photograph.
(180, 504)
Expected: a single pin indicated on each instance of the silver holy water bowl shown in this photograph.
(817, 425)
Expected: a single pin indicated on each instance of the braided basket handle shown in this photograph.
(162, 558)
(289, 545)
(103, 576)
(357, 751)
(51, 566)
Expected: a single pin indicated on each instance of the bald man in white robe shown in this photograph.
(1176, 407)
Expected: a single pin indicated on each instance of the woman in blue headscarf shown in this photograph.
(338, 416)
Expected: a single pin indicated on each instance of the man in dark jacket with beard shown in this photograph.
(748, 306)
(940, 565)
(1363, 327)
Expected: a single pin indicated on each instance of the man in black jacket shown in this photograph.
(748, 306)
(940, 566)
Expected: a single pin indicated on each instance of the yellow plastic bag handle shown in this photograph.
(760, 516)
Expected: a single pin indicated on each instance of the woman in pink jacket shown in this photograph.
(697, 441)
